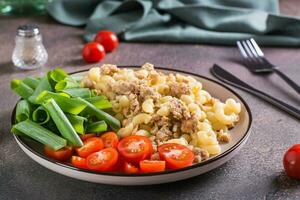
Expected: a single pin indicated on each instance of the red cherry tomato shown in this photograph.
(93, 52)
(91, 145)
(135, 148)
(62, 154)
(108, 39)
(176, 155)
(110, 139)
(103, 160)
(79, 162)
(129, 168)
(152, 165)
(291, 161)
(87, 136)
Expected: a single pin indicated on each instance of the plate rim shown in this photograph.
(117, 174)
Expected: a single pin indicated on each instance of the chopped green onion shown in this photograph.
(40, 134)
(21, 88)
(22, 110)
(44, 85)
(78, 92)
(76, 78)
(31, 82)
(67, 83)
(101, 115)
(63, 124)
(96, 127)
(77, 122)
(56, 75)
(40, 115)
(100, 102)
(69, 105)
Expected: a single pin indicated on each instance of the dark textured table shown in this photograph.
(255, 173)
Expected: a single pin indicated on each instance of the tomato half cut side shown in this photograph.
(135, 148)
(176, 155)
(129, 168)
(62, 154)
(110, 139)
(103, 160)
(87, 136)
(79, 162)
(152, 165)
(91, 145)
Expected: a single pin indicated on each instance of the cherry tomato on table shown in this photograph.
(79, 162)
(93, 52)
(107, 39)
(176, 155)
(291, 161)
(103, 160)
(62, 154)
(110, 139)
(135, 148)
(90, 145)
(152, 165)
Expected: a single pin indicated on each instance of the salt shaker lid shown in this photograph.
(28, 30)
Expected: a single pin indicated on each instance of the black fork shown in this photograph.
(256, 61)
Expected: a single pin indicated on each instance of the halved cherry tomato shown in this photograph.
(135, 148)
(93, 52)
(291, 161)
(176, 155)
(91, 145)
(110, 139)
(103, 160)
(108, 39)
(87, 136)
(129, 168)
(62, 154)
(79, 162)
(152, 165)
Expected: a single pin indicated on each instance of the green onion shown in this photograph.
(100, 102)
(67, 83)
(40, 115)
(22, 110)
(101, 115)
(97, 127)
(77, 123)
(78, 92)
(56, 75)
(63, 124)
(40, 134)
(21, 88)
(43, 85)
(31, 82)
(76, 78)
(69, 105)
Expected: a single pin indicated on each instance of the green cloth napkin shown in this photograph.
(182, 21)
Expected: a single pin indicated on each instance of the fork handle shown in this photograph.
(289, 81)
(229, 78)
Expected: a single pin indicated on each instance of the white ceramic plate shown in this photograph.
(239, 133)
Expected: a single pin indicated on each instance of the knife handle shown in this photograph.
(229, 78)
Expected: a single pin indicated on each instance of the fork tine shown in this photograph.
(256, 47)
(244, 44)
(251, 48)
(241, 48)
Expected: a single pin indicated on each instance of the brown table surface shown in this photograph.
(255, 173)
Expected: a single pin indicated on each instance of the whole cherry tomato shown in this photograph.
(93, 52)
(291, 161)
(108, 39)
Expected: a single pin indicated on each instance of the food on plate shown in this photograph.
(107, 39)
(93, 52)
(291, 161)
(121, 120)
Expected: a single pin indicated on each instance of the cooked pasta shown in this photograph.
(168, 108)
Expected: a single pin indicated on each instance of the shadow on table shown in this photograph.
(8, 68)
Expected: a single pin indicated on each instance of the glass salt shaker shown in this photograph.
(29, 51)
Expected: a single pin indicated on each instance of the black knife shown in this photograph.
(230, 79)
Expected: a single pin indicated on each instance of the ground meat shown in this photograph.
(190, 125)
(123, 87)
(201, 152)
(160, 120)
(163, 134)
(179, 110)
(223, 137)
(155, 156)
(197, 159)
(134, 107)
(108, 69)
(146, 92)
(178, 89)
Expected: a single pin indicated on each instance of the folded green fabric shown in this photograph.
(182, 21)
